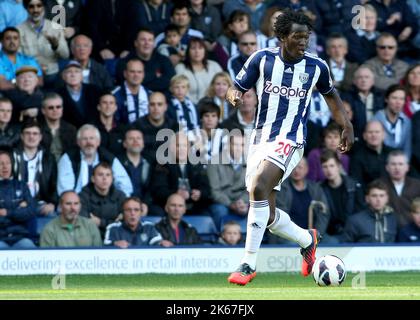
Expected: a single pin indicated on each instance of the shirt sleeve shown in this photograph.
(250, 72)
(325, 83)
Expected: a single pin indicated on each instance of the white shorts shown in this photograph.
(283, 153)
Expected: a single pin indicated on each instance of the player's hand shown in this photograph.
(234, 97)
(347, 138)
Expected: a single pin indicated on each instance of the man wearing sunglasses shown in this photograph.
(247, 45)
(386, 67)
(57, 134)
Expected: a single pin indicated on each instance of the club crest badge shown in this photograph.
(304, 77)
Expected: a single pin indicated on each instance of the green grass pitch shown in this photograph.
(266, 286)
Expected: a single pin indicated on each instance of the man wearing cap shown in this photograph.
(26, 97)
(43, 39)
(11, 59)
(79, 99)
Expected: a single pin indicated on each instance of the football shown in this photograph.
(329, 270)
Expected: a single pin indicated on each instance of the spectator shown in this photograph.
(375, 224)
(247, 44)
(298, 196)
(227, 183)
(181, 108)
(37, 167)
(206, 18)
(402, 189)
(171, 47)
(106, 26)
(9, 132)
(332, 138)
(334, 17)
(12, 13)
(69, 229)
(396, 18)
(132, 97)
(415, 9)
(216, 92)
(363, 38)
(344, 195)
(415, 160)
(388, 70)
(26, 97)
(267, 27)
(369, 157)
(152, 123)
(181, 17)
(342, 71)
(208, 142)
(79, 99)
(180, 176)
(158, 69)
(73, 10)
(411, 232)
(57, 134)
(132, 231)
(237, 23)
(254, 8)
(319, 112)
(396, 124)
(93, 72)
(76, 165)
(17, 208)
(364, 98)
(244, 117)
(153, 14)
(231, 234)
(198, 69)
(173, 229)
(138, 168)
(411, 81)
(101, 202)
(11, 59)
(42, 39)
(112, 134)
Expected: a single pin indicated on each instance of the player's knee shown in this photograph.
(259, 192)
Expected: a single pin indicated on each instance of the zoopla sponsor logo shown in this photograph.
(284, 91)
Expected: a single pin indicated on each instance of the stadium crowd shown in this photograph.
(115, 129)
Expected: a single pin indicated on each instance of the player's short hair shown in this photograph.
(329, 154)
(415, 205)
(284, 22)
(377, 184)
(178, 79)
(208, 106)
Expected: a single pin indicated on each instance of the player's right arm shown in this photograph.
(245, 79)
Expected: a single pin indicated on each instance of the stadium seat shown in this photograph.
(152, 219)
(41, 222)
(205, 227)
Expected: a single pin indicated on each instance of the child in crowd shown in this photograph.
(231, 234)
(172, 47)
(181, 108)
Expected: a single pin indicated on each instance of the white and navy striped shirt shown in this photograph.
(284, 90)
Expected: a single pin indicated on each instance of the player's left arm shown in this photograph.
(340, 116)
